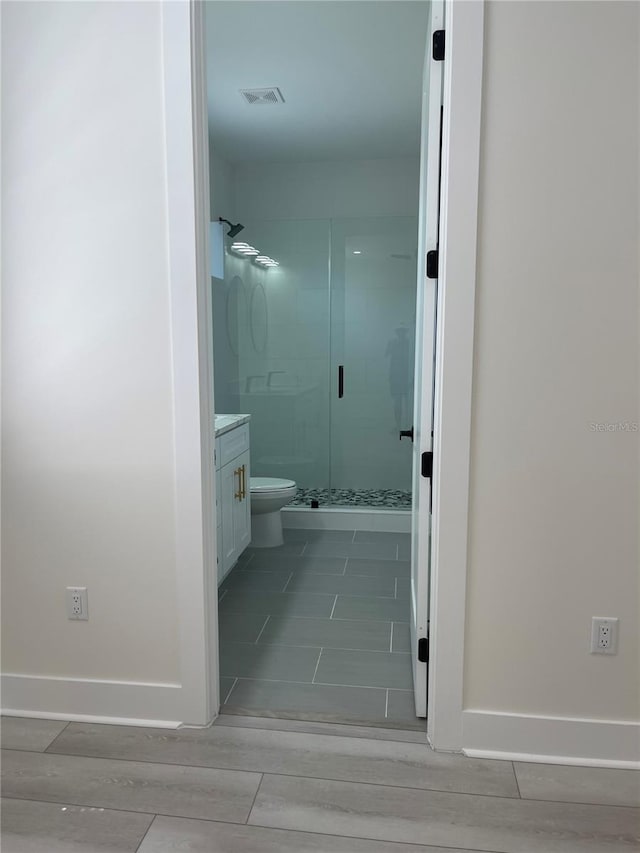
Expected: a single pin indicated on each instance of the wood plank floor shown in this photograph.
(247, 785)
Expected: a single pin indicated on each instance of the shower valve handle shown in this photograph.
(406, 433)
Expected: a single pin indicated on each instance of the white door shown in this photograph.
(424, 365)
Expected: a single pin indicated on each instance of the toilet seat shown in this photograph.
(264, 485)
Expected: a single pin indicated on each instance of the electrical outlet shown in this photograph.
(604, 635)
(77, 603)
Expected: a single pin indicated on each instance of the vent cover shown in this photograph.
(262, 96)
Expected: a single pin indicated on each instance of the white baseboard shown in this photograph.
(551, 740)
(387, 521)
(92, 700)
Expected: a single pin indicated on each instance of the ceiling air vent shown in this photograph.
(262, 96)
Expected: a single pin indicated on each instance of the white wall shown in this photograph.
(221, 184)
(554, 504)
(88, 461)
(323, 190)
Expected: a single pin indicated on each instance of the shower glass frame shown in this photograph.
(344, 294)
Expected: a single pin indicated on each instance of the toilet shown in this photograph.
(268, 496)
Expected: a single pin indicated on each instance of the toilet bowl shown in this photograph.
(268, 496)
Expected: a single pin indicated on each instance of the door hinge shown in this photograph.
(438, 45)
(423, 650)
(427, 464)
(432, 263)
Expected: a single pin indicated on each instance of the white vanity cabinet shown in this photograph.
(233, 494)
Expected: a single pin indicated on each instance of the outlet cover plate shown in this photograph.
(604, 635)
(77, 603)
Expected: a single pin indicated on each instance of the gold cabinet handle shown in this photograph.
(238, 494)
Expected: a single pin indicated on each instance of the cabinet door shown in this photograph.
(229, 499)
(242, 508)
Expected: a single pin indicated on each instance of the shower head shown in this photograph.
(233, 229)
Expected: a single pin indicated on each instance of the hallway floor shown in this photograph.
(318, 630)
(249, 785)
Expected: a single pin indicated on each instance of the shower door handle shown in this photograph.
(340, 381)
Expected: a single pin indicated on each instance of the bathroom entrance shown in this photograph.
(323, 352)
(322, 309)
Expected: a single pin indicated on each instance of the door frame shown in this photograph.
(188, 228)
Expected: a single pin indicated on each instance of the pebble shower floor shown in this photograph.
(381, 498)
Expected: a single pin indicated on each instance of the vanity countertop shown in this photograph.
(225, 423)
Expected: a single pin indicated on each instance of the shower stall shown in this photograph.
(319, 350)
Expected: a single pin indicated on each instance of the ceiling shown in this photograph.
(350, 72)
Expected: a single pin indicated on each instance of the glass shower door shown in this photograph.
(272, 360)
(373, 315)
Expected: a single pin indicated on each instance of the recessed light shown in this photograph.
(357, 252)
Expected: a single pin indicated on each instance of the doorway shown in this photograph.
(318, 347)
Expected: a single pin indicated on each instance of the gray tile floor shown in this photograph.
(318, 630)
(259, 785)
